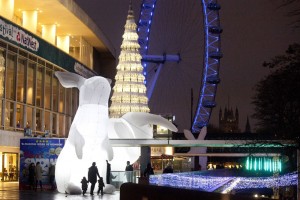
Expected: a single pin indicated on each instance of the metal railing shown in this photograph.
(119, 177)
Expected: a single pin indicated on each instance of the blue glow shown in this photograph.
(146, 14)
(198, 181)
(211, 42)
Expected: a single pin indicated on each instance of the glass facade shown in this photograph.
(32, 96)
(9, 166)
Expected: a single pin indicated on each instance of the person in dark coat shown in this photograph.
(100, 186)
(52, 176)
(168, 169)
(148, 171)
(38, 175)
(108, 172)
(129, 172)
(31, 175)
(84, 185)
(92, 176)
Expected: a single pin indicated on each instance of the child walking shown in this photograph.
(84, 185)
(100, 186)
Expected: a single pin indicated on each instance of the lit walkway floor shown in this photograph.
(10, 190)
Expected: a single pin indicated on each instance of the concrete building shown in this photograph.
(38, 38)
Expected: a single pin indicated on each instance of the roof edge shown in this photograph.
(73, 7)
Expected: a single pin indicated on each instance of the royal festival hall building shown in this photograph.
(38, 38)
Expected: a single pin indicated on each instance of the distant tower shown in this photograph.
(129, 92)
(248, 128)
(237, 115)
(229, 121)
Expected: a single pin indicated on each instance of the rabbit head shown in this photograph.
(95, 90)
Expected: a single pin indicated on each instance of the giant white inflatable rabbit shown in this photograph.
(87, 141)
(88, 137)
(135, 125)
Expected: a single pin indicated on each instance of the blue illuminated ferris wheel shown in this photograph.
(180, 56)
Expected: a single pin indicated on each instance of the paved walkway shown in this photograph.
(10, 190)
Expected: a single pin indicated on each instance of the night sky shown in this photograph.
(253, 32)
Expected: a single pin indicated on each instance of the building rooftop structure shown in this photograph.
(70, 20)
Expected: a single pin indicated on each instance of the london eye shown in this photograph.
(180, 46)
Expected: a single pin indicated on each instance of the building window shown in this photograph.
(47, 95)
(40, 87)
(21, 80)
(9, 113)
(55, 93)
(32, 96)
(29, 117)
(30, 83)
(61, 126)
(1, 113)
(54, 124)
(68, 101)
(61, 99)
(47, 121)
(20, 116)
(38, 120)
(10, 76)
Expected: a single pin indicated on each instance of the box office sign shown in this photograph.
(43, 150)
(18, 36)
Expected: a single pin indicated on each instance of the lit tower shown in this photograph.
(129, 92)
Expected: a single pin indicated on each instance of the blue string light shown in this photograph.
(196, 181)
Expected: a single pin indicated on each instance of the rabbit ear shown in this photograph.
(69, 80)
(109, 80)
(188, 134)
(202, 133)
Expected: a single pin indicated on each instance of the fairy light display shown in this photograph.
(196, 181)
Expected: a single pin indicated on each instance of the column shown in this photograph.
(30, 20)
(49, 33)
(7, 8)
(63, 43)
(2, 70)
(145, 158)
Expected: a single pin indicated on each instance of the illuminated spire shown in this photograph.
(129, 92)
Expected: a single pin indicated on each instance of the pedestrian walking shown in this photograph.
(148, 171)
(100, 186)
(92, 176)
(129, 172)
(52, 176)
(38, 175)
(84, 185)
(108, 172)
(31, 176)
